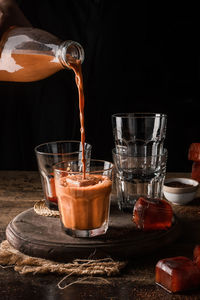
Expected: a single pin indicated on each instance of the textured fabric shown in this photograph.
(25, 264)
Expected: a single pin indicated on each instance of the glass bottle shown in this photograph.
(31, 54)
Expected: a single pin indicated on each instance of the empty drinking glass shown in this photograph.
(140, 134)
(138, 176)
(139, 155)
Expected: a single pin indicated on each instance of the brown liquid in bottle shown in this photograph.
(42, 66)
(25, 65)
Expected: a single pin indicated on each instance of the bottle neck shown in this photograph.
(70, 51)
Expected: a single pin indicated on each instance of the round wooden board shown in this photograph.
(43, 237)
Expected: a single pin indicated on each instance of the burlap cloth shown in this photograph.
(41, 209)
(25, 264)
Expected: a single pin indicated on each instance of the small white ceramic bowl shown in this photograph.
(180, 195)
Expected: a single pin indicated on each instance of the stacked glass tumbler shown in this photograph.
(139, 156)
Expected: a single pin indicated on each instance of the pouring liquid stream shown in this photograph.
(75, 65)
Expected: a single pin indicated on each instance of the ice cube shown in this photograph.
(177, 274)
(79, 181)
(196, 255)
(152, 214)
(196, 171)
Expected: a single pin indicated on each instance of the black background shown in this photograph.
(138, 57)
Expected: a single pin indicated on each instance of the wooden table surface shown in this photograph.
(19, 191)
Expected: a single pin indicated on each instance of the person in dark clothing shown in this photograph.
(138, 57)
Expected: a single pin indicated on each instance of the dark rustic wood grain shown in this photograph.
(43, 237)
(20, 190)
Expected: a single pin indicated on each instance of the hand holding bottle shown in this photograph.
(30, 54)
(10, 14)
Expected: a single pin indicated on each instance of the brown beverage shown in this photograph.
(84, 203)
(75, 65)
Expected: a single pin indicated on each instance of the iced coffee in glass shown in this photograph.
(84, 199)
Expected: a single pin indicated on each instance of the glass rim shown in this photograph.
(59, 142)
(81, 172)
(164, 153)
(139, 115)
